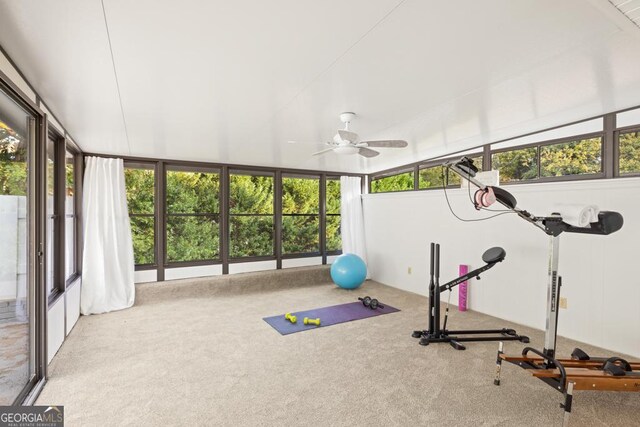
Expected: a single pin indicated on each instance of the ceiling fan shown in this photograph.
(347, 142)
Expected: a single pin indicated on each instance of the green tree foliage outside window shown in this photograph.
(399, 182)
(193, 233)
(69, 174)
(629, 152)
(251, 221)
(300, 215)
(571, 158)
(516, 165)
(568, 158)
(13, 162)
(432, 177)
(140, 201)
(333, 237)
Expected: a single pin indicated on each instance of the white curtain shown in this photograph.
(107, 258)
(352, 218)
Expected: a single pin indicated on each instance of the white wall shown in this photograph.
(73, 304)
(55, 328)
(599, 274)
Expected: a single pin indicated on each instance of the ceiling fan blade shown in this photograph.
(393, 143)
(317, 153)
(346, 135)
(365, 152)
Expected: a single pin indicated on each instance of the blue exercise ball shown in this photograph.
(348, 271)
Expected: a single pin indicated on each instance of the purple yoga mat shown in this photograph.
(328, 316)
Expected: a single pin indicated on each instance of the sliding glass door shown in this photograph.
(18, 356)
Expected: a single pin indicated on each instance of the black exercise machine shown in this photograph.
(581, 372)
(435, 333)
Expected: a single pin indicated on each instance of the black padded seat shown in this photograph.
(493, 255)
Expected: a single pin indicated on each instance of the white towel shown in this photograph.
(578, 215)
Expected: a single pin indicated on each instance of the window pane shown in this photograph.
(629, 152)
(70, 221)
(192, 192)
(333, 196)
(140, 190)
(571, 158)
(192, 238)
(70, 183)
(143, 233)
(300, 234)
(400, 182)
(250, 236)
(50, 172)
(17, 352)
(13, 162)
(140, 184)
(334, 239)
(69, 247)
(516, 165)
(432, 177)
(300, 195)
(250, 194)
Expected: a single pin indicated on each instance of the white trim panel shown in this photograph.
(301, 262)
(55, 328)
(73, 304)
(248, 267)
(189, 272)
(145, 276)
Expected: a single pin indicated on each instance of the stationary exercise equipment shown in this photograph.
(348, 271)
(291, 318)
(371, 303)
(565, 375)
(436, 333)
(308, 321)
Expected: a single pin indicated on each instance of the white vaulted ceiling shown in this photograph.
(233, 81)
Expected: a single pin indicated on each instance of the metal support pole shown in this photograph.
(568, 400)
(553, 295)
(436, 296)
(496, 380)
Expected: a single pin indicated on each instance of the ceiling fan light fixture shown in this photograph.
(346, 149)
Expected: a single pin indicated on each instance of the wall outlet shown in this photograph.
(409, 270)
(563, 302)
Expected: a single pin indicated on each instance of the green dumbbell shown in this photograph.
(291, 318)
(308, 321)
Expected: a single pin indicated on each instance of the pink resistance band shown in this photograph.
(462, 293)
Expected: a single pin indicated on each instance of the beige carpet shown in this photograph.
(188, 354)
